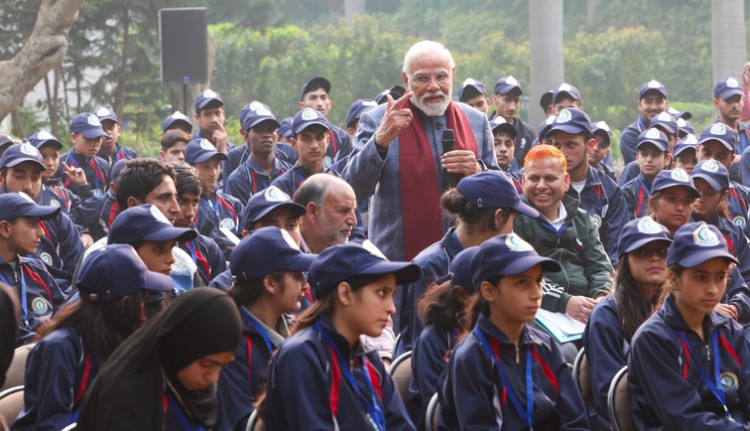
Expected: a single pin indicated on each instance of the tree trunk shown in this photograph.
(122, 73)
(352, 8)
(547, 66)
(44, 50)
(728, 46)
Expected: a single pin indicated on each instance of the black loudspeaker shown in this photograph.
(184, 45)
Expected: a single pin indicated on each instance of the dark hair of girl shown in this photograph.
(442, 305)
(482, 219)
(478, 305)
(104, 325)
(247, 292)
(677, 269)
(632, 308)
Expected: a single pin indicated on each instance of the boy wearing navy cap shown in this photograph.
(176, 120)
(204, 251)
(504, 135)
(21, 170)
(566, 96)
(652, 100)
(285, 130)
(81, 163)
(20, 234)
(315, 95)
(217, 212)
(729, 100)
(472, 93)
(507, 100)
(173, 143)
(252, 167)
(652, 157)
(685, 151)
(665, 123)
(603, 135)
(209, 114)
(358, 108)
(595, 192)
(111, 150)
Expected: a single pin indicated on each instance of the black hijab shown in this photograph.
(10, 317)
(127, 393)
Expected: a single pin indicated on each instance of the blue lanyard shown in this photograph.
(374, 416)
(180, 413)
(24, 300)
(643, 186)
(191, 246)
(213, 205)
(716, 388)
(249, 319)
(528, 414)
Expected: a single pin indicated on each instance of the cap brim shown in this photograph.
(93, 134)
(525, 263)
(206, 102)
(567, 128)
(405, 272)
(682, 149)
(313, 123)
(293, 206)
(711, 182)
(653, 90)
(301, 262)
(173, 122)
(525, 209)
(726, 144)
(18, 161)
(170, 234)
(208, 156)
(563, 94)
(695, 259)
(726, 94)
(659, 146)
(158, 282)
(51, 142)
(507, 128)
(263, 120)
(696, 194)
(42, 211)
(641, 242)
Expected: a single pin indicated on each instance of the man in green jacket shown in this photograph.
(565, 233)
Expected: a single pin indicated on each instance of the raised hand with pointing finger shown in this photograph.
(75, 174)
(397, 117)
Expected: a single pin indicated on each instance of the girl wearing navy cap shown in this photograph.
(163, 377)
(505, 374)
(688, 364)
(267, 268)
(115, 290)
(641, 275)
(672, 197)
(321, 378)
(442, 311)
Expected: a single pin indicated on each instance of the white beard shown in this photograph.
(432, 109)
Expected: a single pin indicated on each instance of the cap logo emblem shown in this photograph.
(375, 251)
(654, 84)
(564, 117)
(663, 116)
(289, 240)
(40, 306)
(158, 216)
(603, 125)
(680, 175)
(263, 111)
(564, 87)
(210, 94)
(227, 223)
(93, 120)
(254, 105)
(516, 243)
(732, 83)
(46, 258)
(690, 139)
(740, 221)
(551, 119)
(44, 135)
(177, 115)
(29, 149)
(711, 166)
(207, 145)
(681, 122)
(648, 226)
(309, 114)
(27, 197)
(510, 80)
(370, 103)
(54, 202)
(469, 81)
(718, 129)
(275, 194)
(498, 121)
(101, 112)
(705, 237)
(653, 134)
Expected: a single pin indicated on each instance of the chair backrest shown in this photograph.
(432, 413)
(619, 402)
(401, 371)
(11, 403)
(582, 377)
(17, 370)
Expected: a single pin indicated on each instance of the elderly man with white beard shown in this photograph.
(402, 161)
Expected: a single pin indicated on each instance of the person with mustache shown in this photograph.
(729, 100)
(652, 100)
(402, 162)
(507, 100)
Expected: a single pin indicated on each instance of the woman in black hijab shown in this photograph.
(164, 376)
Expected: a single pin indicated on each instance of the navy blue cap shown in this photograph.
(713, 172)
(565, 90)
(546, 100)
(719, 132)
(471, 88)
(689, 142)
(88, 125)
(339, 263)
(285, 128)
(601, 128)
(19, 204)
(493, 189)
(673, 178)
(318, 82)
(104, 114)
(507, 254)
(205, 97)
(200, 151)
(679, 114)
(255, 113)
(666, 121)
(499, 124)
(358, 108)
(639, 232)
(267, 250)
(571, 120)
(117, 168)
(545, 125)
(462, 273)
(40, 139)
(506, 84)
(115, 271)
(146, 223)
(396, 93)
(25, 152)
(265, 201)
(727, 87)
(6, 141)
(652, 86)
(306, 118)
(654, 137)
(683, 125)
(695, 243)
(176, 117)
